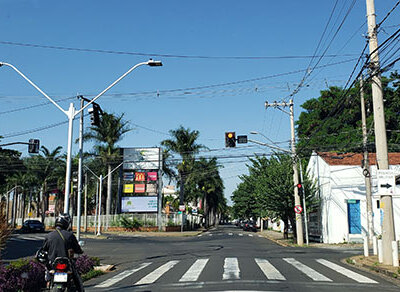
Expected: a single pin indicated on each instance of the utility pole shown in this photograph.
(78, 222)
(297, 202)
(382, 159)
(366, 171)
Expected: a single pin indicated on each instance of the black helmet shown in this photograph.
(63, 221)
(42, 256)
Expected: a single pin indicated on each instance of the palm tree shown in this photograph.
(45, 170)
(106, 136)
(183, 142)
(205, 176)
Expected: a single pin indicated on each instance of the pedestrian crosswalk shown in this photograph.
(271, 269)
(25, 238)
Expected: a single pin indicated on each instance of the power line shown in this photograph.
(157, 54)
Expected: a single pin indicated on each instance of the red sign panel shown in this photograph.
(152, 176)
(140, 176)
(140, 188)
(298, 209)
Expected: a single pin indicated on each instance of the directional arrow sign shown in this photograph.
(388, 186)
(386, 182)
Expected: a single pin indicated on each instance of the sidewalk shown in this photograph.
(369, 264)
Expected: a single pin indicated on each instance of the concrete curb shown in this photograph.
(373, 270)
(276, 241)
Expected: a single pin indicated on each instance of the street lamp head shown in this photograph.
(153, 63)
(254, 132)
(1, 64)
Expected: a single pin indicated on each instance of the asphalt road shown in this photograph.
(222, 259)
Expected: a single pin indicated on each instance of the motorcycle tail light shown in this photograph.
(61, 266)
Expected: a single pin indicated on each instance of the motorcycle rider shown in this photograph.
(63, 243)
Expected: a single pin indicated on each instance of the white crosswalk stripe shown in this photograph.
(231, 269)
(194, 271)
(157, 273)
(121, 276)
(346, 272)
(313, 274)
(269, 270)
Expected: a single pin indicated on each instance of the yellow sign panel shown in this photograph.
(128, 188)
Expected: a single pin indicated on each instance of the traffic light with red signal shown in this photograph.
(300, 188)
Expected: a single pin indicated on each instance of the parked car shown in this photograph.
(32, 226)
(250, 226)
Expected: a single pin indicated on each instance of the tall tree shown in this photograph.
(268, 190)
(109, 132)
(183, 143)
(332, 122)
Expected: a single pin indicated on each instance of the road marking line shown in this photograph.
(240, 234)
(194, 271)
(269, 270)
(157, 273)
(230, 233)
(200, 235)
(121, 276)
(231, 269)
(313, 274)
(346, 272)
(28, 238)
(259, 236)
(251, 235)
(210, 235)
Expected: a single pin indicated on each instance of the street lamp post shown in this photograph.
(72, 113)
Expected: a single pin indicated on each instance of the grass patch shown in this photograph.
(350, 261)
(91, 274)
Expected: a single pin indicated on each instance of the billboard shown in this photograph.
(141, 158)
(139, 204)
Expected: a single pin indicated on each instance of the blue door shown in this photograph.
(354, 216)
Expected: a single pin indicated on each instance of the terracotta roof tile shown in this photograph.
(333, 158)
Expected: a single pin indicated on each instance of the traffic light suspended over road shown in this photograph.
(94, 112)
(33, 146)
(230, 139)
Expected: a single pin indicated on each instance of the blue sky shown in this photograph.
(217, 72)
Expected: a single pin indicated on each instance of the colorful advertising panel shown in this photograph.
(128, 188)
(151, 188)
(140, 188)
(139, 204)
(141, 158)
(140, 176)
(128, 176)
(152, 176)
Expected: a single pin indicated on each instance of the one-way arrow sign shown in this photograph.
(386, 182)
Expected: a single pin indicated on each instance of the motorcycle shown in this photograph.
(59, 273)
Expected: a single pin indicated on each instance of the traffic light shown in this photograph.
(300, 188)
(33, 146)
(94, 115)
(230, 139)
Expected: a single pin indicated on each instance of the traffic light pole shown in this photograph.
(71, 113)
(297, 202)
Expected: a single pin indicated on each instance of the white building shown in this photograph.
(342, 215)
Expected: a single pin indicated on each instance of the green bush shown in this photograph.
(91, 274)
(130, 223)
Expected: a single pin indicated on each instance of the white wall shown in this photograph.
(339, 184)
